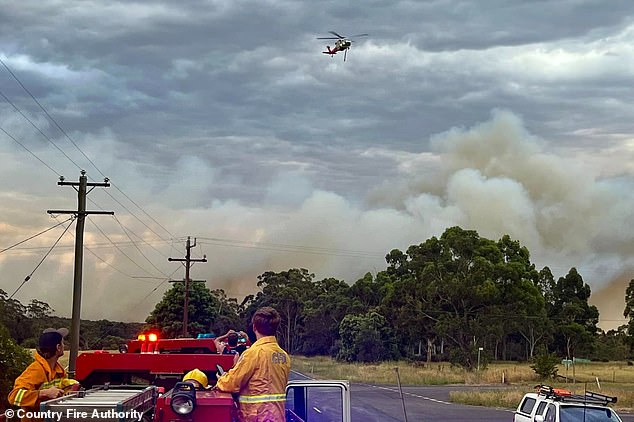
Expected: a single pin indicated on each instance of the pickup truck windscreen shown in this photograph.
(588, 414)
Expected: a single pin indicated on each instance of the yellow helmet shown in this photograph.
(197, 375)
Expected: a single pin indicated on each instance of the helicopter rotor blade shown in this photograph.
(328, 38)
(359, 35)
(345, 54)
(335, 34)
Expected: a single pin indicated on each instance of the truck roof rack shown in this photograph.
(563, 395)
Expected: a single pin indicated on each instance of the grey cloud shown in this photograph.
(224, 119)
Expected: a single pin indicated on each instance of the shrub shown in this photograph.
(545, 365)
(13, 360)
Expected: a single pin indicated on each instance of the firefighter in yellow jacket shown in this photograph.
(45, 378)
(261, 374)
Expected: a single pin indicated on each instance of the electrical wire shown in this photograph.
(98, 245)
(51, 119)
(36, 235)
(137, 247)
(56, 146)
(290, 248)
(31, 122)
(30, 152)
(28, 277)
(119, 249)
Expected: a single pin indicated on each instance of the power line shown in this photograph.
(28, 277)
(36, 235)
(126, 230)
(133, 215)
(30, 152)
(292, 248)
(50, 118)
(34, 125)
(118, 248)
(137, 247)
(159, 285)
(103, 260)
(100, 245)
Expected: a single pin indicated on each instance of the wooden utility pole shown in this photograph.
(81, 213)
(187, 260)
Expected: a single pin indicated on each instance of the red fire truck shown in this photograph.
(156, 366)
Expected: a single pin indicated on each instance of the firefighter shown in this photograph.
(45, 378)
(228, 344)
(261, 374)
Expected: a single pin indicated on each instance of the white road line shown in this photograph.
(411, 394)
(301, 375)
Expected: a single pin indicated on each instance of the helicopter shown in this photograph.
(342, 43)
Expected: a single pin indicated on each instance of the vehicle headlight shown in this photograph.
(183, 398)
(183, 405)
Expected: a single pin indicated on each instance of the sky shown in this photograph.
(223, 121)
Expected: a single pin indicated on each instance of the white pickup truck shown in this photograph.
(558, 405)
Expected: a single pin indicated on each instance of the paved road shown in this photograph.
(422, 403)
(373, 403)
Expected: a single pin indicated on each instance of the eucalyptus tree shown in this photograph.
(323, 313)
(521, 307)
(203, 309)
(461, 288)
(288, 292)
(575, 320)
(366, 338)
(628, 313)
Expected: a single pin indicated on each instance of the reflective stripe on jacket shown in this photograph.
(37, 376)
(260, 377)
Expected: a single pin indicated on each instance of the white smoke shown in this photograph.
(495, 178)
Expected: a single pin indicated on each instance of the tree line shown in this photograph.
(25, 323)
(453, 298)
(447, 298)
(443, 299)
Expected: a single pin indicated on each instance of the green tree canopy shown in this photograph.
(365, 338)
(576, 320)
(287, 292)
(628, 312)
(205, 311)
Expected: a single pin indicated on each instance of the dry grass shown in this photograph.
(508, 398)
(381, 373)
(411, 373)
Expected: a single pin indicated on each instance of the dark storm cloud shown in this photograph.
(223, 118)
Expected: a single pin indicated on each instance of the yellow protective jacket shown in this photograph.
(37, 376)
(260, 378)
